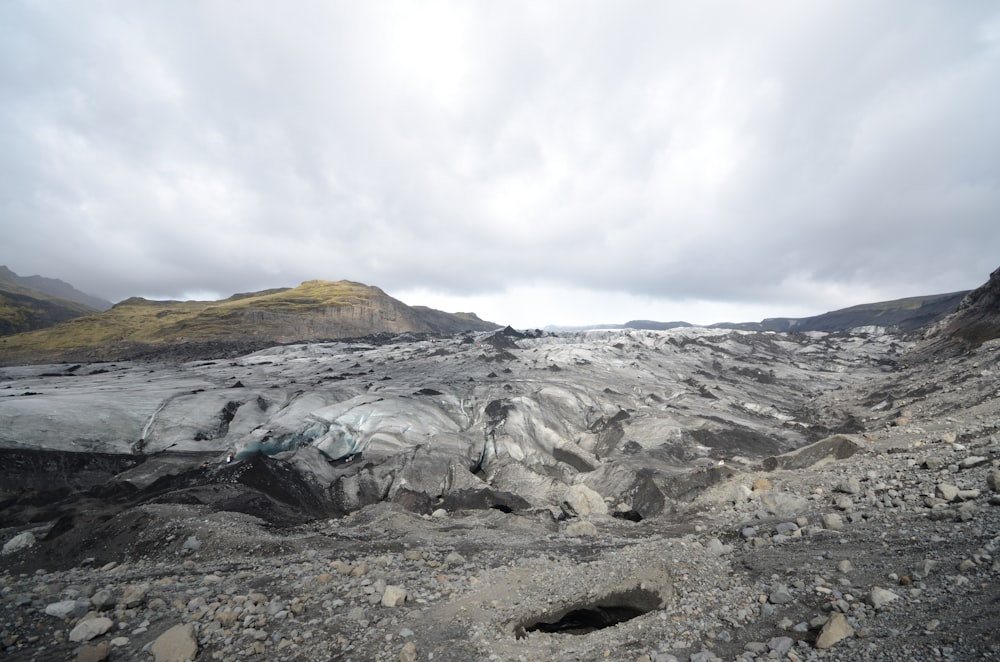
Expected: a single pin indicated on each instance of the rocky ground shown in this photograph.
(876, 544)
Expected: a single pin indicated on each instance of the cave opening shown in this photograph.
(604, 612)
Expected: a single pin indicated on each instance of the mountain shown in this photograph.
(34, 302)
(902, 315)
(315, 310)
(54, 288)
(976, 320)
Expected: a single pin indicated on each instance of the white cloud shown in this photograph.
(639, 159)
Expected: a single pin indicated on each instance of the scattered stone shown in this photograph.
(993, 480)
(973, 461)
(780, 645)
(832, 521)
(933, 463)
(62, 609)
(848, 486)
(780, 596)
(880, 597)
(18, 543)
(89, 628)
(408, 653)
(133, 595)
(103, 599)
(581, 500)
(966, 512)
(176, 644)
(845, 566)
(394, 596)
(93, 653)
(946, 492)
(192, 544)
(836, 629)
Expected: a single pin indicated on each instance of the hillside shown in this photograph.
(905, 315)
(976, 320)
(33, 303)
(314, 310)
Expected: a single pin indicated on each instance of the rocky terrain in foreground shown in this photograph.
(678, 495)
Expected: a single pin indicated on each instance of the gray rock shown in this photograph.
(843, 503)
(176, 644)
(18, 543)
(408, 652)
(582, 500)
(880, 597)
(89, 628)
(780, 596)
(133, 595)
(454, 558)
(946, 492)
(780, 645)
(786, 528)
(832, 521)
(748, 532)
(836, 629)
(966, 512)
(716, 548)
(93, 653)
(103, 599)
(973, 461)
(61, 609)
(848, 486)
(394, 596)
(192, 544)
(993, 480)
(933, 463)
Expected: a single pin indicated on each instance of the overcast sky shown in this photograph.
(535, 162)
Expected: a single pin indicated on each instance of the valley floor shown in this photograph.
(881, 544)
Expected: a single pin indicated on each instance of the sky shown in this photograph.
(534, 162)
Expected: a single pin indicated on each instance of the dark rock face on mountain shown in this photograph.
(34, 302)
(977, 320)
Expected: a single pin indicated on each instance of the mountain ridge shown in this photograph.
(315, 310)
(34, 302)
(906, 315)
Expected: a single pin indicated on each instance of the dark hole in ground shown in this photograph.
(604, 612)
(629, 515)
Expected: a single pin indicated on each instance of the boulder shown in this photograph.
(89, 628)
(836, 629)
(581, 500)
(393, 596)
(19, 542)
(176, 644)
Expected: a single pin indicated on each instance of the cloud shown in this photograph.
(777, 156)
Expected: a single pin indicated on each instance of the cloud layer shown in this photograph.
(558, 157)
